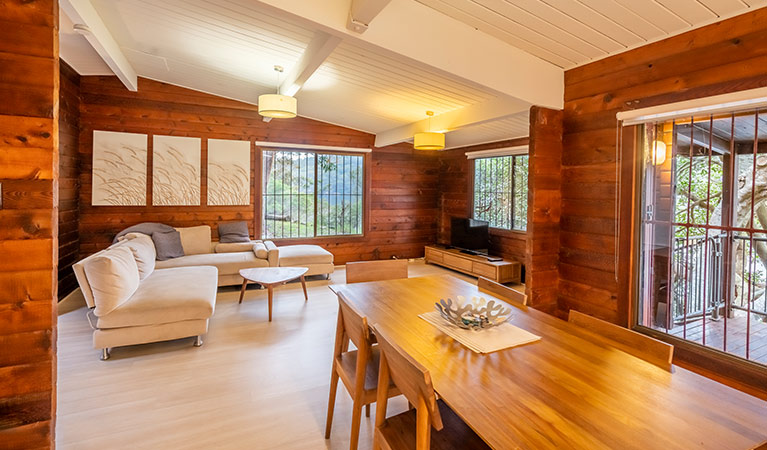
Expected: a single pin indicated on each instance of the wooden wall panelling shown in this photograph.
(29, 88)
(69, 181)
(724, 57)
(455, 198)
(403, 193)
(543, 209)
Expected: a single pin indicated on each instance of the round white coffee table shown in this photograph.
(271, 277)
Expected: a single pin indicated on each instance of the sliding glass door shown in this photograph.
(703, 259)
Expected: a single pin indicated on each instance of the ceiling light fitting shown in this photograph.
(277, 105)
(429, 140)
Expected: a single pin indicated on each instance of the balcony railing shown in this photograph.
(704, 310)
(698, 273)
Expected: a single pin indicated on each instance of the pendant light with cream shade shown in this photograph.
(277, 105)
(429, 140)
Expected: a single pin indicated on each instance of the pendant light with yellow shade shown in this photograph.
(429, 140)
(277, 105)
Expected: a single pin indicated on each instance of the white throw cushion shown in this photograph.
(113, 278)
(143, 251)
(231, 247)
(195, 240)
(260, 250)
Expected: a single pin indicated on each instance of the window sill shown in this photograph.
(505, 232)
(320, 239)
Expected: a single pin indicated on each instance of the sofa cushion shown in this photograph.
(167, 296)
(299, 255)
(229, 247)
(143, 252)
(233, 232)
(260, 250)
(195, 240)
(113, 278)
(82, 280)
(227, 263)
(167, 245)
(273, 253)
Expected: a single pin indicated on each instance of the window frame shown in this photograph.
(734, 371)
(341, 238)
(472, 189)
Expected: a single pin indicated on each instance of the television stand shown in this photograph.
(475, 264)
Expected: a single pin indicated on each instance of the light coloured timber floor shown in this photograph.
(252, 385)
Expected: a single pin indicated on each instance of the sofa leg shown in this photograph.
(104, 354)
(198, 341)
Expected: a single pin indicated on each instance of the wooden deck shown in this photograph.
(737, 329)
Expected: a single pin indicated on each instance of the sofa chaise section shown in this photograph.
(165, 304)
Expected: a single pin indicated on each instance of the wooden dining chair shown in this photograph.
(415, 425)
(385, 269)
(357, 369)
(502, 291)
(640, 345)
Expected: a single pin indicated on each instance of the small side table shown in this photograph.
(271, 277)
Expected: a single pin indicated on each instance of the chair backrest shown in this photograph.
(355, 325)
(505, 292)
(642, 346)
(410, 377)
(385, 269)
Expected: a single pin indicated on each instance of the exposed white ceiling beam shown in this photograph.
(88, 22)
(362, 12)
(318, 50)
(450, 121)
(315, 54)
(419, 33)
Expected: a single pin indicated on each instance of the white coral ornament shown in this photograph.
(477, 314)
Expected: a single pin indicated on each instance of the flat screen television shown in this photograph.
(469, 234)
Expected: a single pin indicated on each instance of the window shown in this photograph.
(307, 194)
(500, 191)
(703, 260)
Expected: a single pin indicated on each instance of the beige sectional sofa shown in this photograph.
(135, 299)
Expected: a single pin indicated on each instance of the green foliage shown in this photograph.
(500, 191)
(698, 191)
(289, 198)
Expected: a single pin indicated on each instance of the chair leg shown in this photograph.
(331, 402)
(376, 440)
(356, 419)
(198, 341)
(104, 354)
(367, 410)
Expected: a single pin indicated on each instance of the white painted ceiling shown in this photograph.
(570, 33)
(229, 48)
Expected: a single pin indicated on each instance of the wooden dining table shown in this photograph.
(570, 390)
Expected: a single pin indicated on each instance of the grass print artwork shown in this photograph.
(176, 171)
(119, 169)
(228, 172)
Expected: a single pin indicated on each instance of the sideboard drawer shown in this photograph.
(484, 270)
(432, 255)
(457, 262)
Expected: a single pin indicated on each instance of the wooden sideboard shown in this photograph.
(478, 266)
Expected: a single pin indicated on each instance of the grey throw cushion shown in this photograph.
(168, 245)
(233, 232)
